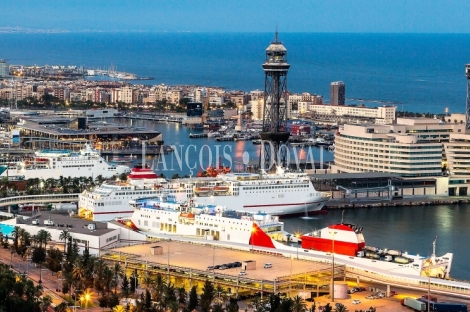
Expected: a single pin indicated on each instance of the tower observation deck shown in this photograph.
(274, 129)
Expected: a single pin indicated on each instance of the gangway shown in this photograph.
(29, 199)
(381, 193)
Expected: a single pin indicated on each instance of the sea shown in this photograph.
(422, 73)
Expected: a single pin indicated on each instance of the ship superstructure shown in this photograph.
(279, 193)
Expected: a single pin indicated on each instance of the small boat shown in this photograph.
(221, 188)
(203, 189)
(257, 142)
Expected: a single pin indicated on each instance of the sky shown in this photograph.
(357, 16)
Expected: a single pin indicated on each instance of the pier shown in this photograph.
(154, 117)
(198, 135)
(134, 151)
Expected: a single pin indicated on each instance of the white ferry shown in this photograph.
(53, 164)
(211, 222)
(154, 217)
(280, 193)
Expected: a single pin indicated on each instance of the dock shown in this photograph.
(136, 151)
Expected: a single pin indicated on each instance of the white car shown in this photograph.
(242, 273)
(268, 265)
(356, 301)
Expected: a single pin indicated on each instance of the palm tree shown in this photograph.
(78, 273)
(117, 272)
(46, 302)
(299, 304)
(119, 309)
(341, 308)
(64, 235)
(16, 235)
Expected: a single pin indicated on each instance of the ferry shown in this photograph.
(279, 193)
(165, 215)
(241, 229)
(348, 240)
(46, 164)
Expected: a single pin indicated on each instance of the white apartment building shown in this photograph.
(382, 115)
(127, 94)
(413, 147)
(257, 109)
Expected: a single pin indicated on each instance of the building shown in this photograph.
(194, 109)
(337, 93)
(4, 68)
(380, 115)
(257, 109)
(413, 147)
(127, 95)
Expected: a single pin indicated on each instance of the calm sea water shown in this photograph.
(419, 72)
(406, 228)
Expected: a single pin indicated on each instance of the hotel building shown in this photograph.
(413, 147)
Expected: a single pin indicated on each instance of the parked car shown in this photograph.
(393, 293)
(268, 265)
(237, 264)
(371, 297)
(223, 267)
(242, 273)
(210, 268)
(356, 301)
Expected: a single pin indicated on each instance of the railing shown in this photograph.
(38, 199)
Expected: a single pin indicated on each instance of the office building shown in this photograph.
(337, 93)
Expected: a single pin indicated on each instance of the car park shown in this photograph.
(356, 301)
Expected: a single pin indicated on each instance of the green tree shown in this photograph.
(341, 308)
(125, 286)
(64, 236)
(193, 299)
(207, 296)
(327, 308)
(299, 304)
(233, 305)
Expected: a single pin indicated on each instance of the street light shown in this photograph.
(332, 295)
(168, 271)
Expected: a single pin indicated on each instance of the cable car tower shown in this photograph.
(467, 111)
(275, 106)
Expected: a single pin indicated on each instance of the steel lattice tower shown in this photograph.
(467, 73)
(275, 106)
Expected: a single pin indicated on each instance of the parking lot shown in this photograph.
(200, 257)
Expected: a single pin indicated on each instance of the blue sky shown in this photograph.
(396, 16)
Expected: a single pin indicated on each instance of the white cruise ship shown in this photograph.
(280, 193)
(53, 164)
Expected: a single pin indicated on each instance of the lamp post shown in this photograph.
(213, 263)
(168, 269)
(332, 295)
(298, 236)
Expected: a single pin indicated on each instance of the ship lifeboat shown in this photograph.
(187, 215)
(203, 189)
(158, 186)
(221, 188)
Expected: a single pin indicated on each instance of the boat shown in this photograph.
(162, 215)
(256, 142)
(347, 240)
(283, 192)
(53, 164)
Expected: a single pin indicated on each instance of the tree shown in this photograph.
(181, 296)
(286, 305)
(103, 302)
(125, 286)
(62, 307)
(299, 304)
(207, 295)
(193, 300)
(64, 236)
(274, 302)
(341, 308)
(133, 282)
(113, 301)
(327, 308)
(233, 305)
